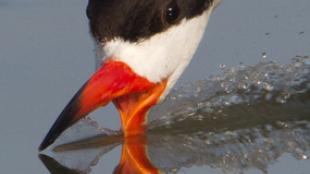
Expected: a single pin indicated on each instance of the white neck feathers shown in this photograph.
(164, 55)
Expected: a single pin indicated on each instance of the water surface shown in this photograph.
(249, 118)
(46, 54)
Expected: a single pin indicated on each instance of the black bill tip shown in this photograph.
(66, 119)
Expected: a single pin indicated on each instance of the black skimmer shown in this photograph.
(145, 46)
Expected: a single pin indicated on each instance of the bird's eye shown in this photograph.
(172, 12)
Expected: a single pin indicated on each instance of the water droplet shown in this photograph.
(258, 83)
(222, 85)
(243, 86)
(222, 66)
(301, 32)
(227, 103)
(304, 157)
(268, 87)
(282, 124)
(264, 55)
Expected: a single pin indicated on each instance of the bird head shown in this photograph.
(144, 45)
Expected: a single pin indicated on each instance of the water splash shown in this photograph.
(266, 82)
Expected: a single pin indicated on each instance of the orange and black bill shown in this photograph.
(112, 80)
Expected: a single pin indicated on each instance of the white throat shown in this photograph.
(164, 55)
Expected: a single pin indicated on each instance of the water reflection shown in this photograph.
(241, 120)
(134, 157)
(239, 143)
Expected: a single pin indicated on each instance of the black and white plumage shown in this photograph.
(156, 38)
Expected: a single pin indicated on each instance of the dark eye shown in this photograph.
(172, 12)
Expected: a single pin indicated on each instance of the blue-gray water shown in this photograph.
(46, 54)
